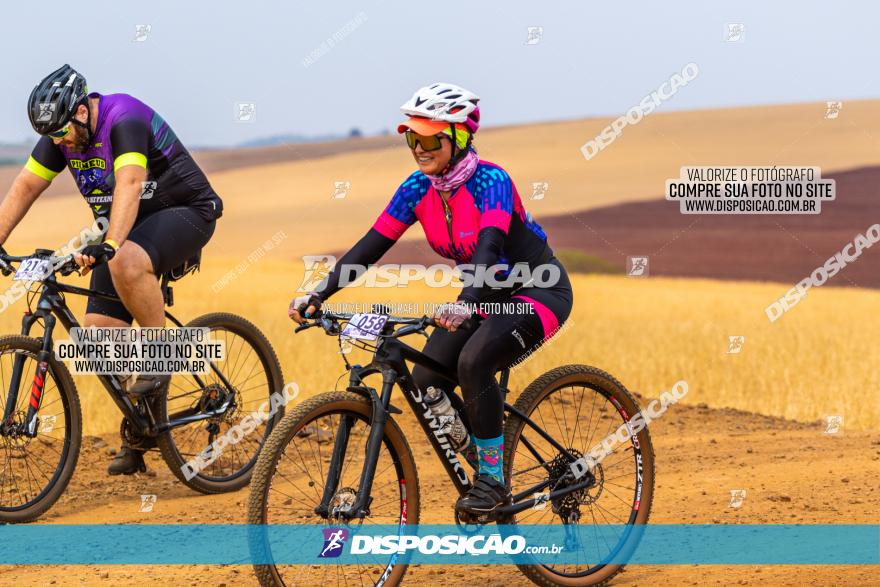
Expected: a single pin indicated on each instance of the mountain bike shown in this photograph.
(41, 429)
(340, 458)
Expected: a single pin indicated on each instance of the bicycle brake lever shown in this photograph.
(331, 327)
(69, 268)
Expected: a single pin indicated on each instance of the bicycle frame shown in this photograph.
(51, 304)
(389, 360)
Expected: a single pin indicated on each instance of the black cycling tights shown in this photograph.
(501, 340)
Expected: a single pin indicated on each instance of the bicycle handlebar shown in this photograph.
(330, 322)
(63, 265)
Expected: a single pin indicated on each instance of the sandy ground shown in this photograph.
(793, 473)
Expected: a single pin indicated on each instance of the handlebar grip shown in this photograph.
(5, 267)
(315, 317)
(468, 325)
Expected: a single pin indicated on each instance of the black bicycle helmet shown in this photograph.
(54, 101)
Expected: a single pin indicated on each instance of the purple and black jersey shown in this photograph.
(128, 132)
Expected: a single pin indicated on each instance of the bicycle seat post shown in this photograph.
(503, 379)
(167, 291)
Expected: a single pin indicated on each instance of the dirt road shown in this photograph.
(793, 473)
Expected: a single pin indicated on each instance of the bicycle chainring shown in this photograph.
(133, 438)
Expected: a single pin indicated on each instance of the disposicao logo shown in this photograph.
(334, 540)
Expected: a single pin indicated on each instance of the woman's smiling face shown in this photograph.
(433, 162)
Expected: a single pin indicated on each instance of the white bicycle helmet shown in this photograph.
(447, 103)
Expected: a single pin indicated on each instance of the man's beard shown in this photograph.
(80, 139)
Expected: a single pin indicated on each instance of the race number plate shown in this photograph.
(32, 269)
(365, 326)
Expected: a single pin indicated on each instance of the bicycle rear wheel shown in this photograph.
(291, 473)
(579, 406)
(35, 470)
(251, 374)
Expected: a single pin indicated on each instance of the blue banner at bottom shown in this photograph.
(441, 544)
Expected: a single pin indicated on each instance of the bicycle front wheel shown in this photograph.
(291, 473)
(579, 407)
(36, 467)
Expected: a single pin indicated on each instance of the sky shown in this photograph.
(200, 60)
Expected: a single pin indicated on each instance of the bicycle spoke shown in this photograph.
(579, 417)
(298, 484)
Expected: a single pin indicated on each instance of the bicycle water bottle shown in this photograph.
(450, 421)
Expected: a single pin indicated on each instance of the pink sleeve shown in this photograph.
(389, 226)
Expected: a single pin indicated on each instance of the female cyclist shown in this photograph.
(470, 212)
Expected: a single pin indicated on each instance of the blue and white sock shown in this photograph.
(491, 451)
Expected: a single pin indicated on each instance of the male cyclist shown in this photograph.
(131, 169)
(471, 212)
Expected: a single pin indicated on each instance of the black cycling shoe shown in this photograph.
(127, 461)
(149, 385)
(486, 494)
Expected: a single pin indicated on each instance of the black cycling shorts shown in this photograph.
(499, 342)
(170, 237)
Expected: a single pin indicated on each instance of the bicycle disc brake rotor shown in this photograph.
(16, 440)
(215, 396)
(342, 502)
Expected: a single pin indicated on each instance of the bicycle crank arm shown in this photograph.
(178, 420)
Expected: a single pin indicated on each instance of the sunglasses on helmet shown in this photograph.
(428, 143)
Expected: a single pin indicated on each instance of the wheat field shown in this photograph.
(818, 359)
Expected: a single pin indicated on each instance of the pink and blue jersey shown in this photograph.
(483, 223)
(489, 199)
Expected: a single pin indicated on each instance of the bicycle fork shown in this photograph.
(39, 380)
(361, 506)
